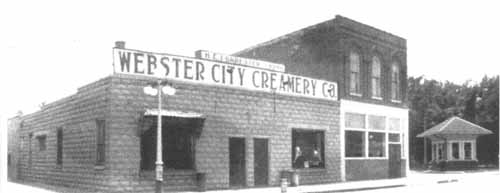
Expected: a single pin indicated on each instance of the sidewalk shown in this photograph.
(8, 187)
(415, 178)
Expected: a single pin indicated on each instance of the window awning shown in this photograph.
(171, 113)
(186, 121)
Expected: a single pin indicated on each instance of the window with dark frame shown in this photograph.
(376, 77)
(59, 149)
(434, 152)
(395, 92)
(440, 148)
(100, 141)
(42, 142)
(178, 145)
(467, 150)
(455, 150)
(354, 66)
(308, 148)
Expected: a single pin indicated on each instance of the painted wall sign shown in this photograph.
(208, 55)
(198, 71)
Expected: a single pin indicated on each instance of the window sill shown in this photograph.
(377, 98)
(309, 169)
(395, 101)
(355, 94)
(99, 167)
(168, 172)
(366, 158)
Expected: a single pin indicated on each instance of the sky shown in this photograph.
(50, 48)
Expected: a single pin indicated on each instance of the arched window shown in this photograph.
(354, 63)
(376, 77)
(395, 79)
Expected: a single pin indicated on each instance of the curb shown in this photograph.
(361, 189)
(447, 181)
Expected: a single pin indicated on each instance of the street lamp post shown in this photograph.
(156, 88)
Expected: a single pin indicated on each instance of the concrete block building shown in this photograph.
(326, 102)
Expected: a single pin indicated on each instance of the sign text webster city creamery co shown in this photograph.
(194, 70)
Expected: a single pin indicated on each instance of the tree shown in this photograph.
(432, 102)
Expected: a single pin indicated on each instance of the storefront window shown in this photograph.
(307, 149)
(366, 136)
(468, 150)
(455, 150)
(178, 145)
(376, 122)
(354, 120)
(394, 124)
(354, 144)
(394, 137)
(376, 144)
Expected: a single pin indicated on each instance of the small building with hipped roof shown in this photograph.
(454, 144)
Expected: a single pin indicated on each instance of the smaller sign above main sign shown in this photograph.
(200, 71)
(208, 55)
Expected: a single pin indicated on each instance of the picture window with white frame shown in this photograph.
(367, 136)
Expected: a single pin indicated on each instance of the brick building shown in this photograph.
(236, 121)
(369, 66)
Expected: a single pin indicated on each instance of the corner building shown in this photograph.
(227, 126)
(370, 68)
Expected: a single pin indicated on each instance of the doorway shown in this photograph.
(261, 161)
(237, 174)
(394, 160)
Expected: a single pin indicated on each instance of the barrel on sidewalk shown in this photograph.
(291, 177)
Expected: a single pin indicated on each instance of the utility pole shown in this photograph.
(425, 140)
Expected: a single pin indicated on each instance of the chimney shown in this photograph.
(120, 44)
